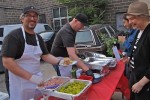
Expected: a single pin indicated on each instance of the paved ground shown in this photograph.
(48, 71)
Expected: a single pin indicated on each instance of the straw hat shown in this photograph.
(138, 8)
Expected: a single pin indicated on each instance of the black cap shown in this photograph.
(82, 18)
(30, 8)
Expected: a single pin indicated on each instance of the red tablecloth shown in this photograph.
(105, 89)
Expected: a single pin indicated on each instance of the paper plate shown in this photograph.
(73, 63)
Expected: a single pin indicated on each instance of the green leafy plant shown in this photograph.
(109, 42)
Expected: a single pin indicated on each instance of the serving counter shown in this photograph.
(108, 85)
(114, 80)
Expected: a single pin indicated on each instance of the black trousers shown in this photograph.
(127, 71)
(144, 94)
(57, 70)
(7, 80)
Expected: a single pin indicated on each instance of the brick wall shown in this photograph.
(45, 7)
(11, 9)
(114, 7)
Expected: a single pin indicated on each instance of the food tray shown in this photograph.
(67, 96)
(112, 64)
(91, 59)
(98, 63)
(93, 54)
(54, 84)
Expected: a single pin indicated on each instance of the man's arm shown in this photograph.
(50, 59)
(72, 54)
(12, 66)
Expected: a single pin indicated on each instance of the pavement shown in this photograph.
(48, 71)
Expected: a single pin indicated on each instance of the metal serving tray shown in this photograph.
(55, 85)
(67, 96)
(97, 63)
(93, 54)
(112, 64)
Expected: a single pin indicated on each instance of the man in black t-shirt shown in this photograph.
(64, 42)
(22, 50)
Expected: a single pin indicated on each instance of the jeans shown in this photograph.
(57, 70)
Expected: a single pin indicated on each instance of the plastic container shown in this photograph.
(85, 77)
(78, 73)
(73, 73)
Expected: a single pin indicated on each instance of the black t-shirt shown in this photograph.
(14, 43)
(64, 38)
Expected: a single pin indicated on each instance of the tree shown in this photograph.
(94, 9)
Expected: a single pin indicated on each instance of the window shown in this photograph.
(114, 30)
(42, 18)
(56, 12)
(57, 25)
(64, 21)
(47, 28)
(1, 35)
(1, 32)
(103, 31)
(60, 17)
(63, 12)
(84, 37)
(111, 32)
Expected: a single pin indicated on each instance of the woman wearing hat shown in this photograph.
(138, 16)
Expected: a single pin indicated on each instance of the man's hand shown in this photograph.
(89, 73)
(36, 79)
(61, 62)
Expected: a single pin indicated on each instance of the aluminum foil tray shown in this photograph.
(98, 63)
(92, 54)
(67, 96)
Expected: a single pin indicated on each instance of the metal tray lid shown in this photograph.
(93, 54)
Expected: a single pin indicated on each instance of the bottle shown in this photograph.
(73, 72)
(78, 73)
